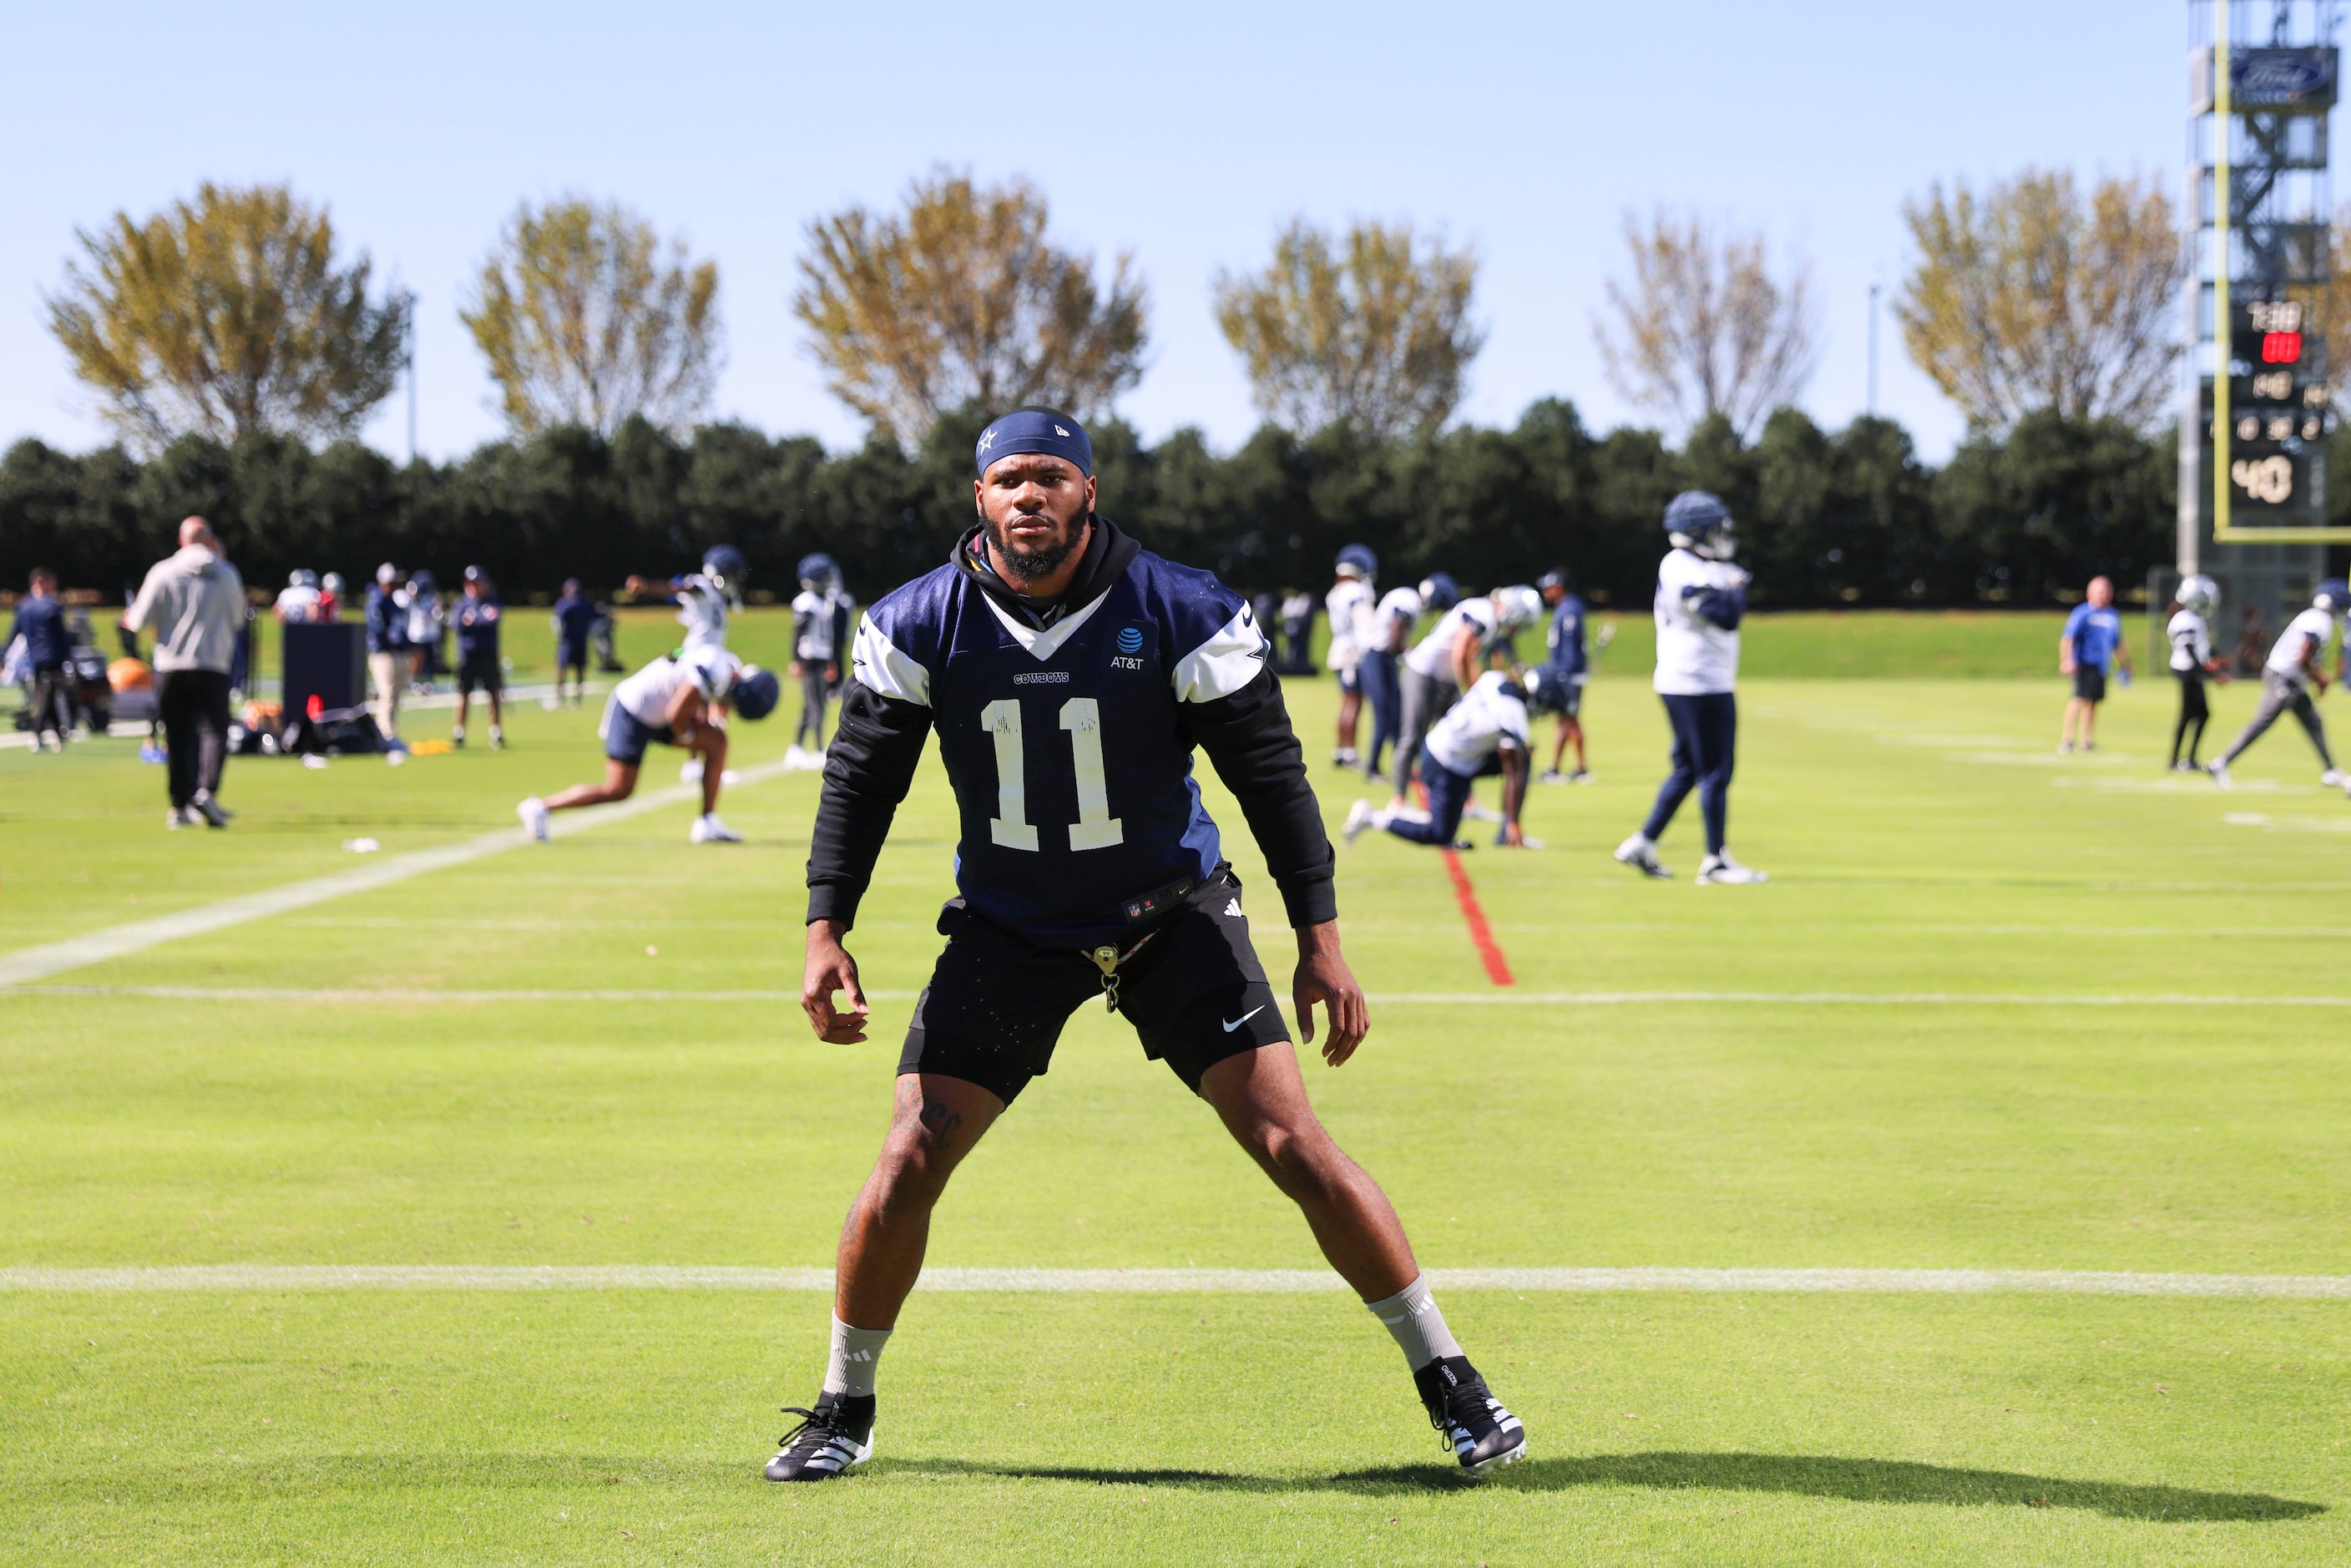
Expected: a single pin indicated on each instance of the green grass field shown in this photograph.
(1874, 1078)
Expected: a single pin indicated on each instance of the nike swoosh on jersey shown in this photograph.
(1244, 1018)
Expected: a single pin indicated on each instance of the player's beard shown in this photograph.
(1031, 563)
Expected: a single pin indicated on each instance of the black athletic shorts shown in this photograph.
(2089, 682)
(1557, 692)
(480, 673)
(994, 1010)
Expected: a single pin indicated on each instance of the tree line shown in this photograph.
(1848, 516)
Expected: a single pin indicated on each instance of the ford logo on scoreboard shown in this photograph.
(2297, 77)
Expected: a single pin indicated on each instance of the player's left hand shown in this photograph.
(1514, 835)
(1323, 977)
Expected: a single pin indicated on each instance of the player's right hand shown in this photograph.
(830, 969)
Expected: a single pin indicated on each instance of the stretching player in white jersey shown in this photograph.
(705, 599)
(1351, 605)
(2191, 634)
(1702, 598)
(1447, 661)
(1485, 732)
(1379, 672)
(2294, 661)
(680, 699)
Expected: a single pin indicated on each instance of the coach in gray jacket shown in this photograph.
(195, 602)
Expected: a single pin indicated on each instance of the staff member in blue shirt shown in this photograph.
(2092, 643)
(41, 622)
(575, 623)
(477, 655)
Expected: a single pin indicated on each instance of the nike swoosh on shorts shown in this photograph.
(1244, 1018)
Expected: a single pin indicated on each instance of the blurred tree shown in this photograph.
(585, 320)
(960, 298)
(225, 316)
(1704, 330)
(2028, 297)
(1370, 329)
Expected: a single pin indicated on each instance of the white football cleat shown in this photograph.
(2335, 776)
(1359, 816)
(708, 829)
(2220, 772)
(534, 815)
(691, 773)
(1641, 856)
(1721, 868)
(1476, 814)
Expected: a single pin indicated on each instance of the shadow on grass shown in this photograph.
(1808, 1475)
(1856, 1480)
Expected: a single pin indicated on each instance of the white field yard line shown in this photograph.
(27, 964)
(1184, 1281)
(414, 996)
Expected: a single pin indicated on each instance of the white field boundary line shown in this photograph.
(27, 964)
(1185, 1282)
(411, 996)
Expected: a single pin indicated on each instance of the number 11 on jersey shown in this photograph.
(1095, 828)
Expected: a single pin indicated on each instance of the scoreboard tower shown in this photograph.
(2259, 404)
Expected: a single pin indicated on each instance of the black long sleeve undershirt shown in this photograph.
(1250, 742)
(867, 771)
(1247, 738)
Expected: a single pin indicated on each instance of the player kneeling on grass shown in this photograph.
(679, 699)
(1068, 675)
(1485, 732)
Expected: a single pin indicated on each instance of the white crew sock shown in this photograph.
(857, 1352)
(1411, 1315)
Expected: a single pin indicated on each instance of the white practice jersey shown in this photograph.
(1493, 714)
(2191, 640)
(1695, 656)
(424, 618)
(647, 695)
(816, 615)
(1433, 655)
(2306, 633)
(1398, 604)
(1352, 606)
(702, 608)
(297, 604)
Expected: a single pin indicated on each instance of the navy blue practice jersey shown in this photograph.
(1565, 651)
(1068, 748)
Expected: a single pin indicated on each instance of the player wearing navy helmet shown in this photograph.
(821, 615)
(2293, 662)
(680, 699)
(1702, 598)
(1069, 676)
(705, 599)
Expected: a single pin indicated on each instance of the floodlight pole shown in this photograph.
(2223, 201)
(1873, 351)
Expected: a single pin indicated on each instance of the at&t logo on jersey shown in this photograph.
(1129, 649)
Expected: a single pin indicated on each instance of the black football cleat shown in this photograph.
(836, 1434)
(1482, 1435)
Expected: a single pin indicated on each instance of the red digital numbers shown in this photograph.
(2281, 348)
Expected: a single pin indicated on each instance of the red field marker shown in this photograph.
(1490, 952)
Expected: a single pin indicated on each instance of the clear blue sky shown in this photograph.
(1185, 134)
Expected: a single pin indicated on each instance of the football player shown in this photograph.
(2190, 635)
(1702, 598)
(1559, 680)
(1396, 615)
(1484, 731)
(1448, 661)
(2292, 662)
(680, 699)
(1351, 605)
(1068, 675)
(821, 614)
(705, 599)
